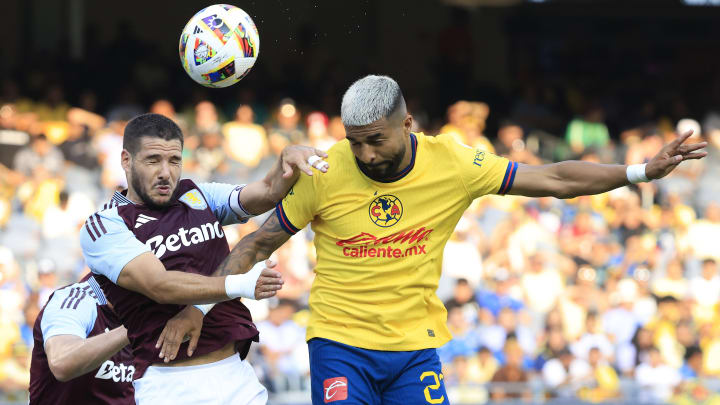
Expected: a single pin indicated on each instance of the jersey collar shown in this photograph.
(404, 172)
(120, 198)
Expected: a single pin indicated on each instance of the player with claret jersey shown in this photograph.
(81, 353)
(152, 249)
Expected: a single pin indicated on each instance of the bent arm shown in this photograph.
(71, 356)
(261, 196)
(253, 248)
(147, 275)
(568, 179)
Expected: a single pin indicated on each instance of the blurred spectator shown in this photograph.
(564, 373)
(466, 123)
(464, 340)
(30, 313)
(674, 283)
(283, 348)
(542, 286)
(512, 376)
(206, 119)
(589, 131)
(554, 343)
(209, 159)
(511, 144)
(11, 139)
(78, 148)
(53, 106)
(656, 379)
(705, 288)
(621, 322)
(110, 147)
(507, 327)
(464, 298)
(693, 363)
(40, 155)
(58, 221)
(483, 366)
(246, 141)
(336, 129)
(287, 129)
(47, 280)
(317, 128)
(461, 258)
(703, 232)
(603, 383)
(500, 297)
(593, 339)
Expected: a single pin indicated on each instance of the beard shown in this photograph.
(140, 190)
(384, 170)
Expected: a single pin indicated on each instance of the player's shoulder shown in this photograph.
(75, 295)
(439, 140)
(98, 223)
(441, 144)
(113, 217)
(185, 185)
(339, 152)
(340, 158)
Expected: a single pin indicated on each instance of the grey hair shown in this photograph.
(369, 99)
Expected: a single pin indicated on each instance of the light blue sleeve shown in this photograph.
(224, 201)
(71, 311)
(108, 245)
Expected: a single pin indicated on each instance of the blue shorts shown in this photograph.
(350, 375)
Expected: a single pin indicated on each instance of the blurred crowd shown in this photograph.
(606, 297)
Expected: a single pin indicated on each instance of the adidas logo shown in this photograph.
(142, 220)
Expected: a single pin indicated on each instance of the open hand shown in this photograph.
(186, 324)
(269, 282)
(296, 156)
(672, 154)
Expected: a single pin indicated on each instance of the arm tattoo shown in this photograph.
(254, 247)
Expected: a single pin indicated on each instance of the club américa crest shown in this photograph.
(385, 210)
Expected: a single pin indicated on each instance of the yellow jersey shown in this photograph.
(380, 244)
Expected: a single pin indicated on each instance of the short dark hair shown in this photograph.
(150, 125)
(691, 351)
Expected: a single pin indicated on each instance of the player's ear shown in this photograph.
(125, 160)
(407, 123)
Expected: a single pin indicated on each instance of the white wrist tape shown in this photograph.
(315, 158)
(243, 285)
(204, 308)
(636, 173)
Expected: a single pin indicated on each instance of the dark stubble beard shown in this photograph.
(139, 188)
(378, 173)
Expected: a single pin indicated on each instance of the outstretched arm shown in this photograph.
(573, 178)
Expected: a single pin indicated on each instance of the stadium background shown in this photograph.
(532, 285)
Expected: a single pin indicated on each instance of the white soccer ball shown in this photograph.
(219, 45)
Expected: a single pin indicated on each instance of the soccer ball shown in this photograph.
(219, 45)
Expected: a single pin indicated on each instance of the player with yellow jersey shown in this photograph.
(381, 217)
(380, 242)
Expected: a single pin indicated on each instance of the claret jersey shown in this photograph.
(80, 310)
(380, 244)
(186, 236)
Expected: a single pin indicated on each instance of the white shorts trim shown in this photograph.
(228, 381)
